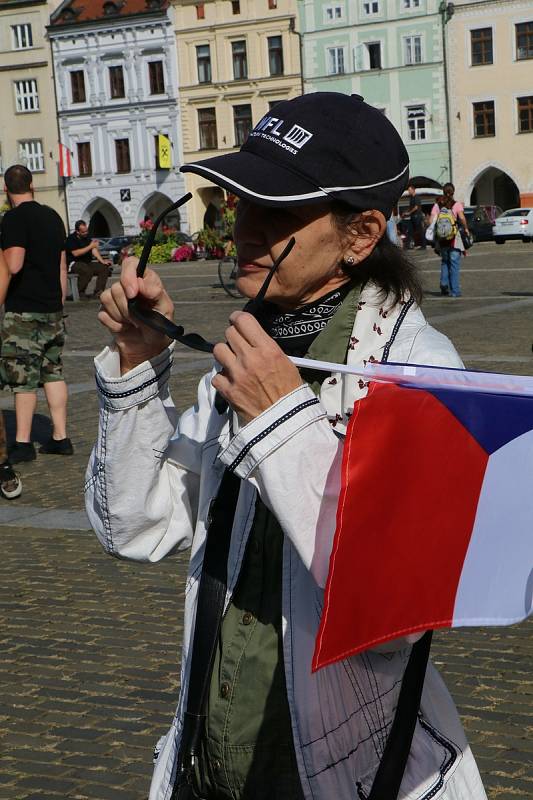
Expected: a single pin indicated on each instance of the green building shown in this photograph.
(391, 53)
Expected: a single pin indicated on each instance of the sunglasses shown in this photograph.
(153, 319)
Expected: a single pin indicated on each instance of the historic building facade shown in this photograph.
(236, 59)
(28, 124)
(490, 65)
(117, 92)
(391, 53)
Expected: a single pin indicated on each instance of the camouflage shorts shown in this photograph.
(32, 346)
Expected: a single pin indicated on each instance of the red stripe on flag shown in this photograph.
(411, 479)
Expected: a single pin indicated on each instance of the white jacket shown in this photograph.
(151, 479)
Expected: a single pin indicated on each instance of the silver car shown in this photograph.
(516, 223)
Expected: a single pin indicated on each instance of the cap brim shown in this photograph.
(264, 182)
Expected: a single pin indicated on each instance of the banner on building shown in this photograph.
(65, 161)
(164, 155)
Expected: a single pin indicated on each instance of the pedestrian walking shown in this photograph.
(10, 483)
(33, 336)
(85, 260)
(449, 223)
(414, 217)
(250, 476)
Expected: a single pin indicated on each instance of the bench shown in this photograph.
(72, 287)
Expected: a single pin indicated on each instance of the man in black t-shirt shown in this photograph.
(415, 218)
(82, 250)
(32, 239)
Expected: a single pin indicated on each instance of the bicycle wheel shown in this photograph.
(227, 271)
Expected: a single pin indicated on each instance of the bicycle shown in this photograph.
(227, 274)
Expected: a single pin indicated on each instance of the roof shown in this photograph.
(74, 12)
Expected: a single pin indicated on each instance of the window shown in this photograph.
(416, 123)
(85, 166)
(409, 4)
(371, 7)
(242, 119)
(332, 13)
(272, 4)
(525, 114)
(200, 11)
(235, 7)
(26, 96)
(275, 55)
(31, 154)
(157, 77)
(203, 63)
(481, 46)
(240, 65)
(524, 40)
(207, 126)
(484, 118)
(116, 82)
(77, 83)
(122, 151)
(374, 55)
(21, 36)
(335, 60)
(412, 50)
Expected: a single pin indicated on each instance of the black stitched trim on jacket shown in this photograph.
(246, 449)
(118, 395)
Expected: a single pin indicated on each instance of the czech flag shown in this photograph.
(435, 515)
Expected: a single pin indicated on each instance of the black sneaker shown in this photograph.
(57, 447)
(10, 483)
(21, 451)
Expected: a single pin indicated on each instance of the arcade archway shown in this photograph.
(154, 205)
(103, 219)
(494, 187)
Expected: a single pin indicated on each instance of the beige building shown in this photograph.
(28, 123)
(236, 58)
(490, 68)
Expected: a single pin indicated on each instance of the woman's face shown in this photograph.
(311, 269)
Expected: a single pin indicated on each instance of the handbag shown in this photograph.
(430, 232)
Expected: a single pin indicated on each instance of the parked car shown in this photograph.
(492, 211)
(516, 223)
(479, 223)
(111, 247)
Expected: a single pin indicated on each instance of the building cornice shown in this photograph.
(367, 72)
(106, 23)
(214, 89)
(27, 65)
(21, 4)
(245, 23)
(105, 110)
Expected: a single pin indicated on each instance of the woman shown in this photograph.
(451, 248)
(10, 483)
(327, 169)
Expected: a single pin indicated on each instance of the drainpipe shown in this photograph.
(292, 29)
(59, 130)
(446, 11)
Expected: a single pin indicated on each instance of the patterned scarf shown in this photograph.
(295, 331)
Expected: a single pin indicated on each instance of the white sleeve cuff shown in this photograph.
(264, 434)
(140, 384)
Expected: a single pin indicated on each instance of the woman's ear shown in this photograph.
(366, 231)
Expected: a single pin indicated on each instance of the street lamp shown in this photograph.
(446, 11)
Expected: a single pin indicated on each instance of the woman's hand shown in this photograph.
(135, 341)
(256, 373)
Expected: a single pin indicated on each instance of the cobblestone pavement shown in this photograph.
(90, 645)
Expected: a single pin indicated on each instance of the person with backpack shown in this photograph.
(449, 223)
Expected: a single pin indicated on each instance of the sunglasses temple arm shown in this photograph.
(145, 255)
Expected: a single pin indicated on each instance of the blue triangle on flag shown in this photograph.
(492, 419)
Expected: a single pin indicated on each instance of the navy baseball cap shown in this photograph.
(316, 148)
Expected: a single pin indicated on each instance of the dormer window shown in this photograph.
(110, 8)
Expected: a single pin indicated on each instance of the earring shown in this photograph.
(350, 261)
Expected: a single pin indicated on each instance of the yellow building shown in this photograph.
(236, 58)
(490, 68)
(28, 122)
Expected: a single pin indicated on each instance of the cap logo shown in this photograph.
(297, 136)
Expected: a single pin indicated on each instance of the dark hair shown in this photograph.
(78, 224)
(18, 179)
(411, 185)
(448, 190)
(387, 265)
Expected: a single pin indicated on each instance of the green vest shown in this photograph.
(248, 751)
